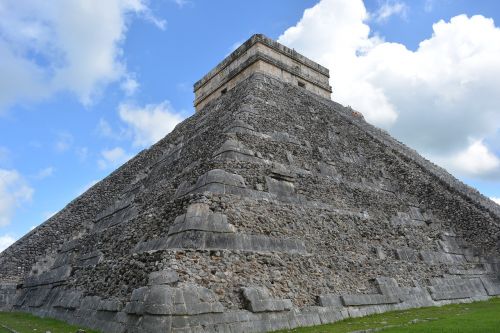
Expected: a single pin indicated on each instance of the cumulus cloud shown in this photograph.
(475, 160)
(149, 123)
(390, 8)
(129, 86)
(113, 157)
(14, 191)
(497, 200)
(6, 241)
(52, 46)
(44, 173)
(63, 142)
(437, 99)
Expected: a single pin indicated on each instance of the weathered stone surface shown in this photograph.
(167, 276)
(368, 299)
(259, 300)
(269, 186)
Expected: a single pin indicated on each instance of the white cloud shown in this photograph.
(113, 157)
(6, 241)
(391, 8)
(429, 5)
(497, 200)
(52, 46)
(151, 122)
(477, 159)
(4, 155)
(434, 98)
(64, 141)
(82, 153)
(14, 191)
(129, 86)
(44, 173)
(182, 3)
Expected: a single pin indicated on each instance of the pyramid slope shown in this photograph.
(270, 208)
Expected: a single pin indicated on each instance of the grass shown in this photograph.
(27, 323)
(477, 317)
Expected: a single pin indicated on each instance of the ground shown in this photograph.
(27, 323)
(474, 317)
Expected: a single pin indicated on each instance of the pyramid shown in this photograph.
(272, 207)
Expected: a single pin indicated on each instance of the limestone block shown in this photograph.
(201, 240)
(369, 299)
(155, 324)
(330, 300)
(280, 188)
(216, 180)
(327, 170)
(259, 300)
(111, 305)
(159, 300)
(89, 259)
(223, 177)
(7, 296)
(167, 276)
(282, 172)
(37, 297)
(407, 254)
(64, 258)
(69, 300)
(70, 245)
(491, 284)
(238, 126)
(284, 137)
(406, 219)
(185, 300)
(56, 275)
(233, 145)
(199, 217)
(90, 303)
(456, 288)
(432, 257)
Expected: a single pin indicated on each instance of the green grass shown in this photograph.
(477, 317)
(27, 323)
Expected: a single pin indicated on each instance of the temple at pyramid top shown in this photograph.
(262, 54)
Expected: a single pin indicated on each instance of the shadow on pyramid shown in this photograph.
(270, 208)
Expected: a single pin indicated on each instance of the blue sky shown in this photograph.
(85, 85)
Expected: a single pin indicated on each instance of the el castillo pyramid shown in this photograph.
(272, 207)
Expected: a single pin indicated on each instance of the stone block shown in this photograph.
(280, 188)
(167, 276)
(53, 276)
(407, 254)
(431, 257)
(159, 300)
(330, 300)
(369, 299)
(491, 284)
(204, 221)
(90, 303)
(456, 288)
(259, 300)
(69, 300)
(110, 304)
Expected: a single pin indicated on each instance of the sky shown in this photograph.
(87, 84)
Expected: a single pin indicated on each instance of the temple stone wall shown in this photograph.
(263, 55)
(270, 208)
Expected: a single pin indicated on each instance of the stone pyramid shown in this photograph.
(272, 207)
